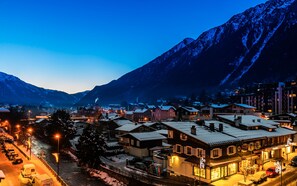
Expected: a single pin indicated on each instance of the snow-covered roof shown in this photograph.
(251, 121)
(4, 110)
(166, 108)
(128, 127)
(140, 111)
(218, 105)
(40, 120)
(122, 122)
(249, 134)
(129, 112)
(190, 109)
(245, 106)
(146, 136)
(162, 131)
(202, 133)
(151, 106)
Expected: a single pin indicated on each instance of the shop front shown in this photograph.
(217, 173)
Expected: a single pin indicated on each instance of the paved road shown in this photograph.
(12, 171)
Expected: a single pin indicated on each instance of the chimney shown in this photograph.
(211, 126)
(220, 127)
(193, 130)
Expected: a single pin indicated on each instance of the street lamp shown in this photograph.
(57, 136)
(18, 131)
(30, 130)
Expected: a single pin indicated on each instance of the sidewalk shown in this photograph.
(40, 166)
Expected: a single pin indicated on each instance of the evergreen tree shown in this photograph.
(60, 123)
(89, 147)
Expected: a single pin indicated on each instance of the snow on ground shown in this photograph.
(105, 177)
(120, 158)
(101, 174)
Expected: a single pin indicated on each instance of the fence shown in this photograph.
(63, 183)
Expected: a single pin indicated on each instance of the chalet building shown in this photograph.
(285, 120)
(129, 115)
(226, 148)
(142, 115)
(164, 113)
(109, 126)
(139, 144)
(186, 114)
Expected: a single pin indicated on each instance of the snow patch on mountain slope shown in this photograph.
(256, 56)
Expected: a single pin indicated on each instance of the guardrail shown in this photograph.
(63, 183)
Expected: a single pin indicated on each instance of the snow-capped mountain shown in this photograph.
(258, 45)
(15, 91)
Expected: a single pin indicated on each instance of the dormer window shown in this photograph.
(183, 136)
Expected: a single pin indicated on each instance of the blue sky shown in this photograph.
(74, 45)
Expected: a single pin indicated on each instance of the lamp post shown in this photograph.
(57, 136)
(30, 130)
(18, 131)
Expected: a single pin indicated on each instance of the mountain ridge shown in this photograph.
(232, 54)
(15, 91)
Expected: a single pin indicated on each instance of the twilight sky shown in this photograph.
(74, 45)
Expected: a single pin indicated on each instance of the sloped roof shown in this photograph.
(166, 108)
(128, 127)
(190, 109)
(203, 134)
(219, 105)
(122, 122)
(140, 111)
(4, 110)
(245, 106)
(249, 134)
(147, 136)
(251, 121)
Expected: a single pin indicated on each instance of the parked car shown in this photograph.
(271, 172)
(17, 160)
(259, 177)
(294, 161)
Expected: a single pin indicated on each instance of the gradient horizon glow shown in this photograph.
(74, 45)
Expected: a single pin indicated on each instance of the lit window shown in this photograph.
(170, 134)
(199, 172)
(132, 142)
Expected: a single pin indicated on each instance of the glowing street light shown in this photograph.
(58, 136)
(30, 130)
